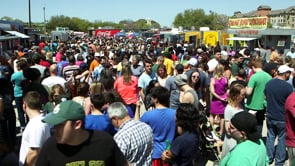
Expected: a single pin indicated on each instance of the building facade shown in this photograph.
(281, 18)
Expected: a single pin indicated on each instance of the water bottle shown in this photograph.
(168, 144)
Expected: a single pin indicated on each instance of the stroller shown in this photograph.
(210, 145)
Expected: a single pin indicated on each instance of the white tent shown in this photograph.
(241, 38)
(18, 34)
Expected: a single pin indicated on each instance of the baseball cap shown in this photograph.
(199, 50)
(181, 79)
(192, 61)
(66, 110)
(284, 68)
(245, 121)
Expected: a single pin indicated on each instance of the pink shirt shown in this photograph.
(128, 92)
(79, 62)
(58, 57)
(290, 120)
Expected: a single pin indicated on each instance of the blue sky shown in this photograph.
(162, 11)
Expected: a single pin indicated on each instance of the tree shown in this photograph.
(58, 21)
(80, 24)
(222, 21)
(73, 23)
(144, 24)
(6, 18)
(197, 18)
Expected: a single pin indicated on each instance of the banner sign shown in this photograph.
(251, 22)
(106, 32)
(210, 38)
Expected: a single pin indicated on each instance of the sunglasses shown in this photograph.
(196, 77)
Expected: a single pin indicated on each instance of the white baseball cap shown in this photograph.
(284, 68)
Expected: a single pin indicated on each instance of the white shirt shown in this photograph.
(53, 80)
(34, 136)
(212, 63)
(292, 55)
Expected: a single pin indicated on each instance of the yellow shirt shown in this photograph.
(169, 65)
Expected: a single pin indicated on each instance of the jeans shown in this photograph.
(291, 154)
(20, 111)
(276, 129)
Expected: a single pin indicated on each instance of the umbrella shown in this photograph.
(133, 34)
(120, 34)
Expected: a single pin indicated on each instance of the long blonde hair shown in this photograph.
(219, 71)
(96, 87)
(126, 72)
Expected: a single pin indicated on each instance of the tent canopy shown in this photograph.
(241, 38)
(18, 34)
(120, 34)
(7, 37)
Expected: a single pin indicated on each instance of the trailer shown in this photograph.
(59, 36)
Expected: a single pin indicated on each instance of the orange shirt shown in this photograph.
(273, 55)
(93, 64)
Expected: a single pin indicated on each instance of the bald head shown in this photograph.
(53, 69)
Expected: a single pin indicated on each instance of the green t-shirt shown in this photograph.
(155, 67)
(257, 82)
(234, 69)
(246, 153)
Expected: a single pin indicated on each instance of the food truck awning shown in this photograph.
(2, 38)
(241, 38)
(18, 34)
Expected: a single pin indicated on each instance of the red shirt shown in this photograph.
(44, 63)
(128, 92)
(174, 57)
(290, 120)
(41, 46)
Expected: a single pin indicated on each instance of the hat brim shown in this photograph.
(180, 83)
(53, 120)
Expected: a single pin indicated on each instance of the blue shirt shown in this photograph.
(162, 122)
(17, 78)
(99, 122)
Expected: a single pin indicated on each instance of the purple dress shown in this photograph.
(217, 106)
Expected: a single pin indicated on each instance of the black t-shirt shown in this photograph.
(99, 149)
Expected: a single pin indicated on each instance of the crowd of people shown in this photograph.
(128, 101)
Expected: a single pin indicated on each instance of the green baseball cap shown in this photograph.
(67, 110)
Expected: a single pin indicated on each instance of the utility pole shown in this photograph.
(30, 22)
(44, 19)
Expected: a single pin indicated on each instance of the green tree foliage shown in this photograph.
(222, 21)
(198, 18)
(6, 18)
(128, 25)
(98, 24)
(80, 24)
(74, 23)
(143, 24)
(58, 21)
